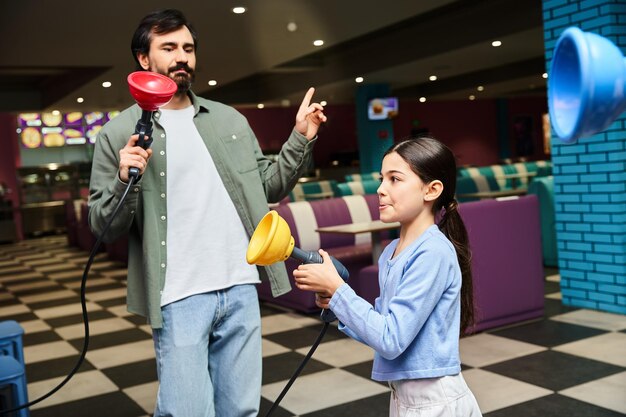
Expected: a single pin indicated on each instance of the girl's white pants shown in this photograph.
(447, 396)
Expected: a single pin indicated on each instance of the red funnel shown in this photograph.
(151, 90)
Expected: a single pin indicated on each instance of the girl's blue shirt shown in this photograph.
(414, 325)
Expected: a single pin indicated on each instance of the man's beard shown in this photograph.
(183, 81)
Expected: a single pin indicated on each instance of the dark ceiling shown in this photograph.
(60, 51)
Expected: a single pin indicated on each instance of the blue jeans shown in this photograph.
(209, 355)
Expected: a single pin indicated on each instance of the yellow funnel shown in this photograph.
(271, 242)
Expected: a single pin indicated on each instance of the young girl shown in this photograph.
(425, 283)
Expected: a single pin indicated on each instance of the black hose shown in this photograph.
(300, 368)
(83, 304)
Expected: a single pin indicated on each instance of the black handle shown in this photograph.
(311, 257)
(143, 128)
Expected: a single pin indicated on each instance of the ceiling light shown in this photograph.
(56, 112)
(433, 78)
(80, 100)
(292, 27)
(212, 82)
(323, 103)
(318, 42)
(472, 97)
(239, 10)
(359, 79)
(260, 106)
(495, 44)
(480, 88)
(422, 99)
(545, 75)
(106, 84)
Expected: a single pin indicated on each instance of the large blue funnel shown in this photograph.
(586, 84)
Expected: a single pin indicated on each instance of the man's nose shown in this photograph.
(181, 55)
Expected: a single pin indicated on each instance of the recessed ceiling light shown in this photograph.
(212, 82)
(292, 26)
(318, 42)
(359, 79)
(433, 78)
(239, 10)
(260, 106)
(480, 88)
(545, 75)
(472, 97)
(106, 84)
(56, 112)
(422, 99)
(323, 103)
(80, 100)
(495, 44)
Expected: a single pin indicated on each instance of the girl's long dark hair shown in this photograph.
(432, 160)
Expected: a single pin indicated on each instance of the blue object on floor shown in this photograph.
(11, 340)
(12, 375)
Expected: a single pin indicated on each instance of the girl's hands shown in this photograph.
(322, 301)
(320, 278)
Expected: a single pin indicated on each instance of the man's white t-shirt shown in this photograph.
(206, 241)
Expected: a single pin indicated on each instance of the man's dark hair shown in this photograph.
(159, 22)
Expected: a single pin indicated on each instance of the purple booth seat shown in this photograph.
(303, 217)
(507, 264)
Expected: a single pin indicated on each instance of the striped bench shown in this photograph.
(315, 190)
(370, 176)
(303, 218)
(498, 172)
(358, 187)
(477, 183)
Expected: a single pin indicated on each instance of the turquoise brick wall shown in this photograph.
(590, 178)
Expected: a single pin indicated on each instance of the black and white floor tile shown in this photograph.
(572, 362)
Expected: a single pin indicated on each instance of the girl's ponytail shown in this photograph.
(452, 226)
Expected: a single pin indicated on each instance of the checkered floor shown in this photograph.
(571, 363)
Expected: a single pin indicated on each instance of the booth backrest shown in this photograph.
(495, 171)
(363, 177)
(314, 190)
(358, 187)
(477, 183)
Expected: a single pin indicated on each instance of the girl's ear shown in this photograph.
(433, 191)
